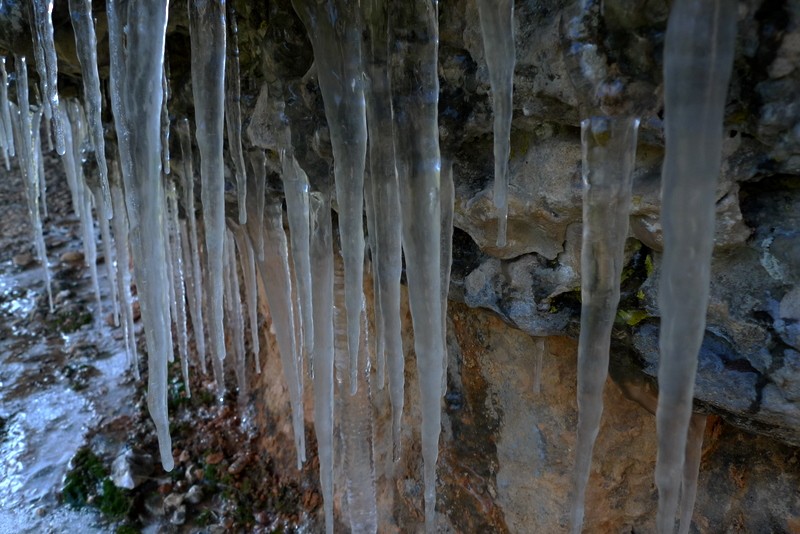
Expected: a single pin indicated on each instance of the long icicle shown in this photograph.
(233, 112)
(5, 109)
(105, 237)
(334, 29)
(86, 46)
(248, 262)
(233, 313)
(609, 152)
(415, 90)
(295, 187)
(448, 199)
(207, 29)
(187, 183)
(322, 294)
(178, 277)
(140, 97)
(691, 470)
(497, 28)
(355, 420)
(42, 14)
(698, 59)
(387, 258)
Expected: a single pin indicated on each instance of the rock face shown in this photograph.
(506, 451)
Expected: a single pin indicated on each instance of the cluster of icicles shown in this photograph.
(377, 69)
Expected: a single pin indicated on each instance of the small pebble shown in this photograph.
(194, 495)
(72, 256)
(178, 517)
(214, 458)
(23, 259)
(184, 456)
(173, 501)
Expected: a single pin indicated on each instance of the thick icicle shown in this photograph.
(141, 96)
(123, 281)
(233, 112)
(387, 258)
(28, 131)
(334, 29)
(691, 470)
(42, 14)
(40, 172)
(295, 187)
(86, 46)
(448, 199)
(322, 305)
(415, 90)
(355, 420)
(698, 59)
(207, 29)
(178, 287)
(497, 27)
(277, 281)
(609, 153)
(248, 263)
(196, 301)
(165, 165)
(5, 109)
(259, 163)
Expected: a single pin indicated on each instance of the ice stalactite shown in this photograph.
(415, 97)
(40, 172)
(193, 246)
(277, 280)
(43, 22)
(448, 199)
(698, 59)
(383, 186)
(248, 263)
(322, 305)
(86, 46)
(27, 132)
(609, 153)
(123, 281)
(335, 31)
(497, 27)
(178, 277)
(5, 110)
(82, 201)
(207, 30)
(295, 187)
(691, 470)
(355, 419)
(233, 112)
(234, 326)
(93, 182)
(165, 122)
(258, 162)
(140, 101)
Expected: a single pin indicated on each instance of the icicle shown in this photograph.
(207, 29)
(609, 153)
(698, 58)
(179, 292)
(28, 131)
(42, 11)
(234, 313)
(295, 187)
(355, 423)
(259, 163)
(247, 261)
(5, 109)
(105, 237)
(196, 300)
(82, 200)
(233, 112)
(691, 470)
(120, 223)
(415, 90)
(447, 199)
(40, 172)
(497, 27)
(170, 281)
(334, 29)
(277, 281)
(165, 119)
(322, 305)
(141, 96)
(387, 260)
(86, 46)
(379, 352)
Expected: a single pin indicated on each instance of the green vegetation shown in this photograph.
(88, 484)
